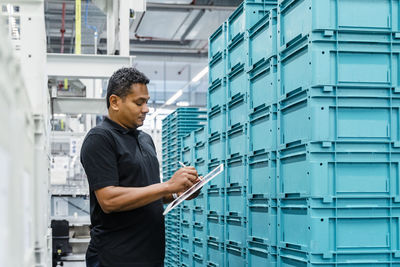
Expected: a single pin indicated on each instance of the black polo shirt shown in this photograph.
(114, 156)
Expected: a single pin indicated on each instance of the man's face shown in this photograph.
(133, 108)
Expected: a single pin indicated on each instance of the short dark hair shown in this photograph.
(121, 80)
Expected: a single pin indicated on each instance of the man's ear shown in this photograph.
(114, 102)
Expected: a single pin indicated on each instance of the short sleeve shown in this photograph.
(99, 160)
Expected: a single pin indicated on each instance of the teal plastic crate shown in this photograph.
(201, 165)
(236, 81)
(219, 181)
(262, 221)
(217, 94)
(262, 84)
(217, 120)
(200, 152)
(186, 257)
(215, 227)
(331, 231)
(186, 242)
(217, 42)
(259, 254)
(215, 199)
(235, 228)
(186, 213)
(200, 136)
(237, 139)
(216, 149)
(235, 254)
(215, 253)
(339, 169)
(246, 15)
(262, 131)
(217, 68)
(289, 257)
(199, 233)
(262, 39)
(307, 63)
(199, 248)
(262, 173)
(187, 156)
(298, 18)
(186, 229)
(237, 111)
(200, 202)
(235, 51)
(236, 170)
(198, 260)
(199, 216)
(311, 115)
(235, 200)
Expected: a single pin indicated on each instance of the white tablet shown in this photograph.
(194, 188)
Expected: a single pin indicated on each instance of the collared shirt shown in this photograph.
(115, 156)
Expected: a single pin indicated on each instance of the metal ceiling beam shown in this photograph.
(85, 66)
(177, 7)
(192, 25)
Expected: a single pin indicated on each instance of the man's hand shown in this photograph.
(195, 194)
(182, 180)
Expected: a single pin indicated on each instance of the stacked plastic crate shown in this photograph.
(338, 133)
(229, 126)
(176, 125)
(262, 134)
(193, 238)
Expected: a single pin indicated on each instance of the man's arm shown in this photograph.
(116, 198)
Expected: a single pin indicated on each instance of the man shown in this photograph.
(126, 196)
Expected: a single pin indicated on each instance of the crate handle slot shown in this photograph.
(233, 185)
(215, 85)
(234, 189)
(292, 195)
(296, 39)
(288, 245)
(287, 4)
(234, 158)
(199, 144)
(212, 239)
(258, 152)
(258, 206)
(214, 110)
(292, 104)
(197, 257)
(258, 197)
(236, 40)
(184, 236)
(292, 144)
(236, 128)
(293, 53)
(258, 250)
(234, 248)
(214, 136)
(236, 99)
(200, 160)
(216, 58)
(213, 190)
(294, 92)
(259, 116)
